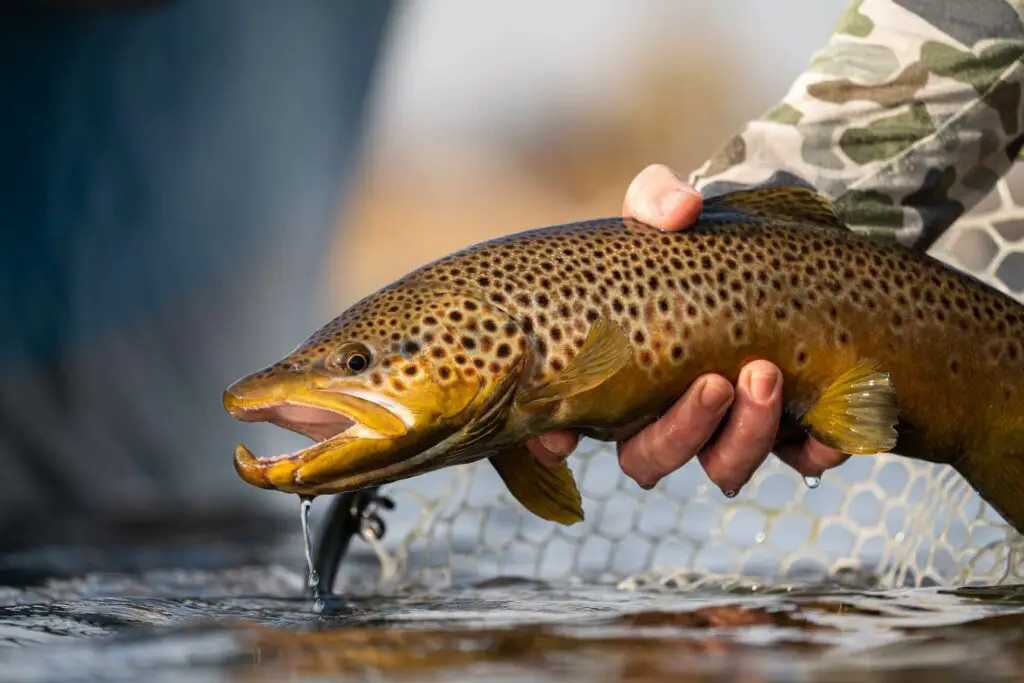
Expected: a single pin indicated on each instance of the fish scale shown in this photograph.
(599, 326)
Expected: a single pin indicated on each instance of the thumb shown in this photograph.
(660, 198)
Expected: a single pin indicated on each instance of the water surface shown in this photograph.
(213, 611)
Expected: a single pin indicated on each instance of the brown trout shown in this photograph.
(600, 326)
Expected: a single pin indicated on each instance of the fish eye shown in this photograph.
(351, 358)
(357, 362)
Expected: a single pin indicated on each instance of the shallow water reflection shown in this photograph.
(244, 624)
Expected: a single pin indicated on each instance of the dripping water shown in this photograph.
(312, 576)
(812, 482)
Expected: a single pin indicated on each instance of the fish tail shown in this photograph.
(999, 480)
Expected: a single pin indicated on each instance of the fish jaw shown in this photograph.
(315, 470)
(365, 436)
(359, 423)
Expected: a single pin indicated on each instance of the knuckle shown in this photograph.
(633, 459)
(661, 450)
(824, 457)
(560, 443)
(752, 427)
(540, 453)
(796, 457)
(736, 455)
(722, 472)
(663, 454)
(692, 422)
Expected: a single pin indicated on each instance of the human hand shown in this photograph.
(659, 197)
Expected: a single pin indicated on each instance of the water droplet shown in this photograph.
(312, 578)
(729, 494)
(760, 537)
(812, 482)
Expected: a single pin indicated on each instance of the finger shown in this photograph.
(811, 458)
(750, 432)
(659, 197)
(553, 448)
(669, 443)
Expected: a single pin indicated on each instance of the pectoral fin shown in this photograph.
(604, 352)
(857, 413)
(549, 493)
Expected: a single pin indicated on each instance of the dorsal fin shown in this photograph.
(793, 203)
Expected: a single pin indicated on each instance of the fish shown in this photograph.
(600, 326)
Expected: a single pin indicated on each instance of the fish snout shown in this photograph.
(233, 404)
(238, 403)
(248, 393)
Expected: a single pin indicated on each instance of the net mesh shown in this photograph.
(883, 521)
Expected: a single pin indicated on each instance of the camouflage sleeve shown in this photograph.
(906, 119)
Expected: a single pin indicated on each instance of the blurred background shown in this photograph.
(191, 188)
(489, 119)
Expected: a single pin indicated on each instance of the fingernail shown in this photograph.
(714, 395)
(762, 385)
(669, 203)
(551, 445)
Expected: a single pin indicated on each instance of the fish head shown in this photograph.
(376, 389)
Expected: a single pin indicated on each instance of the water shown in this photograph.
(312, 577)
(216, 611)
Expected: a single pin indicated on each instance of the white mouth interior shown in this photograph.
(319, 424)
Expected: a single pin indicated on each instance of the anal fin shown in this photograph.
(857, 413)
(549, 493)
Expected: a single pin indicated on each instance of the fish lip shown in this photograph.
(358, 418)
(253, 412)
(263, 411)
(368, 451)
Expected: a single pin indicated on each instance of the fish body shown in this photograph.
(600, 326)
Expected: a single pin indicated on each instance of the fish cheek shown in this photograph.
(474, 349)
(444, 384)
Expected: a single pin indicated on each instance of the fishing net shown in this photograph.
(882, 521)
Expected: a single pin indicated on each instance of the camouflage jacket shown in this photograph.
(906, 119)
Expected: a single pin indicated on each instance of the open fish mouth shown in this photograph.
(313, 421)
(319, 424)
(332, 419)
